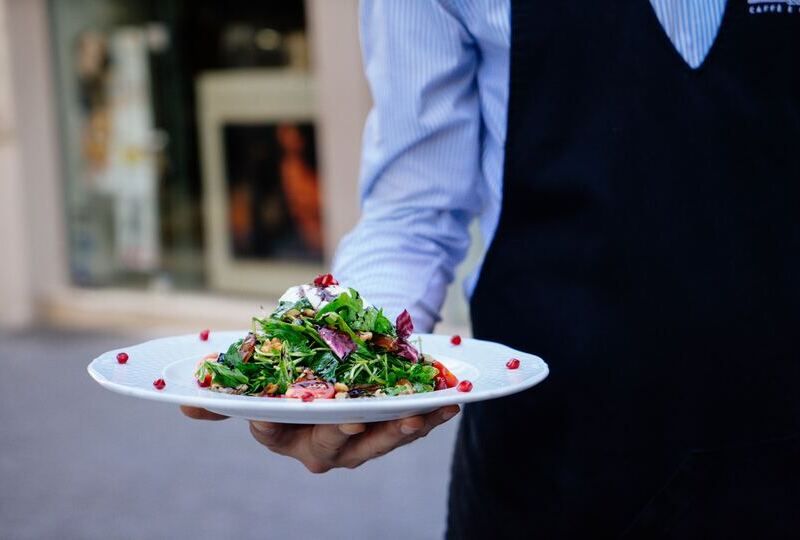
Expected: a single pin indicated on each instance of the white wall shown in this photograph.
(16, 307)
(343, 102)
(31, 222)
(38, 133)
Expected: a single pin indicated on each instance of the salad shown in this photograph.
(325, 341)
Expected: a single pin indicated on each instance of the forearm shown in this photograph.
(421, 180)
(404, 261)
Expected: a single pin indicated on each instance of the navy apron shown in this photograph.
(649, 250)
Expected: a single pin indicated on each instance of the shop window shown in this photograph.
(189, 142)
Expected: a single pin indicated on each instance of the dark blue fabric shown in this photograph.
(649, 250)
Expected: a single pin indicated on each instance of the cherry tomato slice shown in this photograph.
(316, 389)
(449, 379)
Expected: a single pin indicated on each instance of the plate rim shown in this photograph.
(381, 404)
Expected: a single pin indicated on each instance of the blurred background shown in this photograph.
(168, 166)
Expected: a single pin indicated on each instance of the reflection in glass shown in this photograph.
(273, 191)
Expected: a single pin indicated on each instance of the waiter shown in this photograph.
(635, 169)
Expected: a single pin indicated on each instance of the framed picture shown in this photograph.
(262, 210)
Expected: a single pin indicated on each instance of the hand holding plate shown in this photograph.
(324, 447)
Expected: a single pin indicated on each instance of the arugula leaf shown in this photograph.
(372, 320)
(225, 376)
(324, 365)
(251, 369)
(232, 358)
(346, 305)
(295, 334)
(382, 324)
(421, 373)
(364, 321)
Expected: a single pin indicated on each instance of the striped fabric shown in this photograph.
(691, 25)
(433, 144)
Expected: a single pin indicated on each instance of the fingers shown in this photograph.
(353, 429)
(323, 447)
(201, 414)
(326, 443)
(385, 437)
(316, 446)
(414, 429)
(439, 417)
(381, 439)
(328, 440)
(274, 436)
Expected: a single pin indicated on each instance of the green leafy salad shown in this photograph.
(324, 341)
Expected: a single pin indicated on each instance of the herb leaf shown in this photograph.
(225, 376)
(324, 365)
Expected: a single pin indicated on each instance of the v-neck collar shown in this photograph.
(703, 17)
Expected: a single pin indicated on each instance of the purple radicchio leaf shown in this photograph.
(404, 325)
(248, 347)
(326, 295)
(407, 350)
(340, 343)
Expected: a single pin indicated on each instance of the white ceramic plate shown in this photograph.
(174, 359)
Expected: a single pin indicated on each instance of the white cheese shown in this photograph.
(315, 295)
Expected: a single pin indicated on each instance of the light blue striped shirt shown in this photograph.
(432, 159)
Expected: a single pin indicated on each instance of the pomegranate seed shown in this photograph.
(159, 384)
(325, 280)
(513, 363)
(122, 357)
(455, 340)
(464, 386)
(206, 382)
(204, 334)
(307, 397)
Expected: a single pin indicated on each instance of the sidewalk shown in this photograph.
(77, 461)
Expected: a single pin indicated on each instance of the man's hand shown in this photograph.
(324, 447)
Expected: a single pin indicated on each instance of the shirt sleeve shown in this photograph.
(421, 181)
